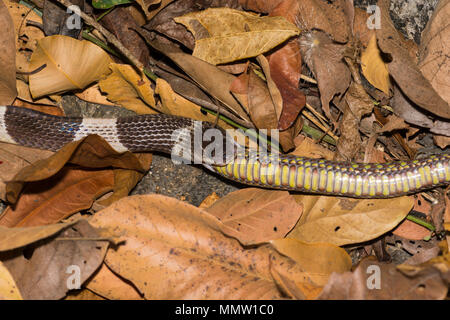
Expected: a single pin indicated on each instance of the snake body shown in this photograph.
(155, 133)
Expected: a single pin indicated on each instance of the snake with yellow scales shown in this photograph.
(155, 133)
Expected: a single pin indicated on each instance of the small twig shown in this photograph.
(108, 35)
(308, 79)
(327, 131)
(29, 73)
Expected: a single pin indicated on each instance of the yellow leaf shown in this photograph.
(179, 106)
(70, 64)
(8, 287)
(340, 220)
(225, 35)
(374, 68)
(126, 87)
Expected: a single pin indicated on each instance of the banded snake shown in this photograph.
(154, 133)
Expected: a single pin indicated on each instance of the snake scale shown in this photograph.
(154, 133)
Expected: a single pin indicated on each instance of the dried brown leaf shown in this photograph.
(8, 90)
(341, 221)
(434, 50)
(46, 274)
(173, 250)
(405, 71)
(373, 280)
(254, 215)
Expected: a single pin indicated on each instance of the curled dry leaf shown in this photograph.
(70, 64)
(8, 90)
(254, 215)
(173, 250)
(44, 274)
(225, 35)
(373, 280)
(434, 50)
(127, 88)
(404, 69)
(341, 221)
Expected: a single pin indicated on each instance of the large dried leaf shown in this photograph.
(434, 50)
(374, 68)
(51, 200)
(225, 35)
(404, 69)
(341, 221)
(173, 250)
(70, 64)
(255, 215)
(46, 274)
(127, 88)
(8, 90)
(373, 280)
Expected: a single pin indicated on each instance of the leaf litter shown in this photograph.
(256, 63)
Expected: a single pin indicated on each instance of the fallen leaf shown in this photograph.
(8, 288)
(14, 158)
(70, 64)
(107, 284)
(434, 50)
(255, 215)
(8, 90)
(209, 201)
(213, 80)
(373, 280)
(307, 147)
(23, 93)
(174, 251)
(179, 106)
(92, 94)
(224, 35)
(53, 265)
(90, 152)
(341, 221)
(404, 69)
(374, 68)
(441, 141)
(127, 88)
(324, 58)
(14, 238)
(51, 200)
(26, 35)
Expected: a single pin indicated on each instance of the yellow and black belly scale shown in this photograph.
(338, 178)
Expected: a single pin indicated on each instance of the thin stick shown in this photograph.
(327, 131)
(108, 35)
(308, 79)
(318, 115)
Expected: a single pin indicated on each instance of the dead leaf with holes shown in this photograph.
(342, 221)
(254, 215)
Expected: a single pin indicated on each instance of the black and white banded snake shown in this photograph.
(154, 133)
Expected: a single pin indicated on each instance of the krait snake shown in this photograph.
(155, 133)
